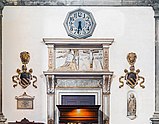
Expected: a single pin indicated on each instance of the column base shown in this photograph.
(50, 121)
(2, 119)
(155, 118)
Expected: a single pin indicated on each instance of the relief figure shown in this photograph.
(131, 106)
(70, 63)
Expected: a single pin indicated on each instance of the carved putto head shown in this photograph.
(25, 57)
(131, 57)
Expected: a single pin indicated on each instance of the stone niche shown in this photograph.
(78, 67)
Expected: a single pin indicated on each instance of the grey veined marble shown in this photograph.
(78, 2)
(77, 83)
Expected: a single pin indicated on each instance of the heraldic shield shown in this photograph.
(131, 77)
(24, 77)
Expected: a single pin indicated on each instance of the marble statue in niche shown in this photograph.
(131, 106)
(79, 60)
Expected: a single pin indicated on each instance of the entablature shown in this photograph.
(78, 63)
(79, 55)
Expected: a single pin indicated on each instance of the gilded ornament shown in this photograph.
(25, 57)
(131, 57)
(131, 77)
(24, 77)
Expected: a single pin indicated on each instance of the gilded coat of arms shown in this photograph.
(24, 77)
(131, 77)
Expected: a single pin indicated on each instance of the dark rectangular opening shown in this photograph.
(78, 100)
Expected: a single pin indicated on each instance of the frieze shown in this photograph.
(80, 60)
(79, 83)
(79, 2)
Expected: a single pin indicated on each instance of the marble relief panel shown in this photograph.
(131, 105)
(79, 83)
(79, 60)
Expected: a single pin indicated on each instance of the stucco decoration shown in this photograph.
(24, 77)
(131, 77)
(131, 105)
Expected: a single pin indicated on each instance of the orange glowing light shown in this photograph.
(81, 113)
(78, 110)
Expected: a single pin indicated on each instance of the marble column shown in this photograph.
(155, 118)
(2, 119)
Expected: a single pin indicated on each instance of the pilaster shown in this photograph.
(51, 61)
(2, 119)
(155, 119)
(50, 98)
(105, 58)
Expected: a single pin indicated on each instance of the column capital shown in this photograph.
(155, 7)
(1, 5)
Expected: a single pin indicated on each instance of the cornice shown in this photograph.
(79, 2)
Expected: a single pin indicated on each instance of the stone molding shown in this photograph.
(2, 119)
(156, 10)
(79, 2)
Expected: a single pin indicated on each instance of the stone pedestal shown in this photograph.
(155, 118)
(2, 119)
